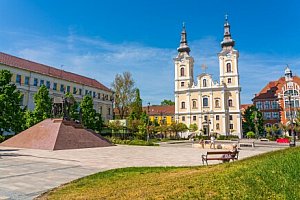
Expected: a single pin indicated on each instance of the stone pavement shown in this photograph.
(26, 173)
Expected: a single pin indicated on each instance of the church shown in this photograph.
(213, 105)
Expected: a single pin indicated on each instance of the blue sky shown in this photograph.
(101, 38)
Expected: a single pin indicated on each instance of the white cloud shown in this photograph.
(152, 68)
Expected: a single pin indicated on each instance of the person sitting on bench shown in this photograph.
(231, 155)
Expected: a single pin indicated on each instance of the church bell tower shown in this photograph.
(228, 59)
(184, 64)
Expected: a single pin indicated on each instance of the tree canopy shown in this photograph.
(124, 90)
(87, 111)
(90, 119)
(253, 120)
(136, 108)
(43, 104)
(11, 114)
(166, 102)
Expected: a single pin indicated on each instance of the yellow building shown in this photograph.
(160, 114)
(213, 105)
(29, 76)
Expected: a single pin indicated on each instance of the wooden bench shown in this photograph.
(264, 140)
(246, 144)
(210, 156)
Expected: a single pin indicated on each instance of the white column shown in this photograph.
(200, 110)
(176, 107)
(188, 108)
(221, 63)
(239, 125)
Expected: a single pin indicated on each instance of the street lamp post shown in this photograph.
(293, 142)
(208, 127)
(148, 122)
(255, 125)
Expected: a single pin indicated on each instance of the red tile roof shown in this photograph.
(21, 63)
(160, 110)
(245, 106)
(273, 88)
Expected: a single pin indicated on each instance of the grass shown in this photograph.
(132, 142)
(274, 175)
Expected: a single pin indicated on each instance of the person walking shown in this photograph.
(202, 143)
(212, 141)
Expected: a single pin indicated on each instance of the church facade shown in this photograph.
(213, 105)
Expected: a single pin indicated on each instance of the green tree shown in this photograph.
(284, 128)
(115, 126)
(124, 90)
(98, 123)
(88, 112)
(178, 127)
(193, 127)
(142, 131)
(29, 118)
(162, 129)
(11, 114)
(144, 118)
(43, 105)
(136, 108)
(133, 125)
(166, 102)
(253, 120)
(269, 131)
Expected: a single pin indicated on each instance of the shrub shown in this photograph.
(272, 137)
(2, 138)
(131, 142)
(227, 137)
(204, 137)
(250, 134)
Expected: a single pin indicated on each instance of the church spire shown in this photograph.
(288, 74)
(183, 41)
(227, 42)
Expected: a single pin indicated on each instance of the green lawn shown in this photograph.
(274, 175)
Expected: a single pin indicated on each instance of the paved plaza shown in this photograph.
(26, 173)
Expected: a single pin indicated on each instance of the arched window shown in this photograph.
(291, 92)
(194, 104)
(183, 104)
(217, 103)
(228, 66)
(181, 71)
(204, 83)
(205, 101)
(217, 126)
(268, 125)
(230, 103)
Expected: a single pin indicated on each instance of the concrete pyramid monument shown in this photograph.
(56, 134)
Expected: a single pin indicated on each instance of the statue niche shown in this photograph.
(61, 107)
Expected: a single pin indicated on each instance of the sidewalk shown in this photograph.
(26, 173)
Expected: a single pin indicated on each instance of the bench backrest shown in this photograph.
(233, 154)
(218, 152)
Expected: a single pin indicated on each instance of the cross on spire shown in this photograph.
(183, 41)
(204, 67)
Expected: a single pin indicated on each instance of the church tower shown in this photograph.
(184, 64)
(229, 78)
(228, 59)
(184, 71)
